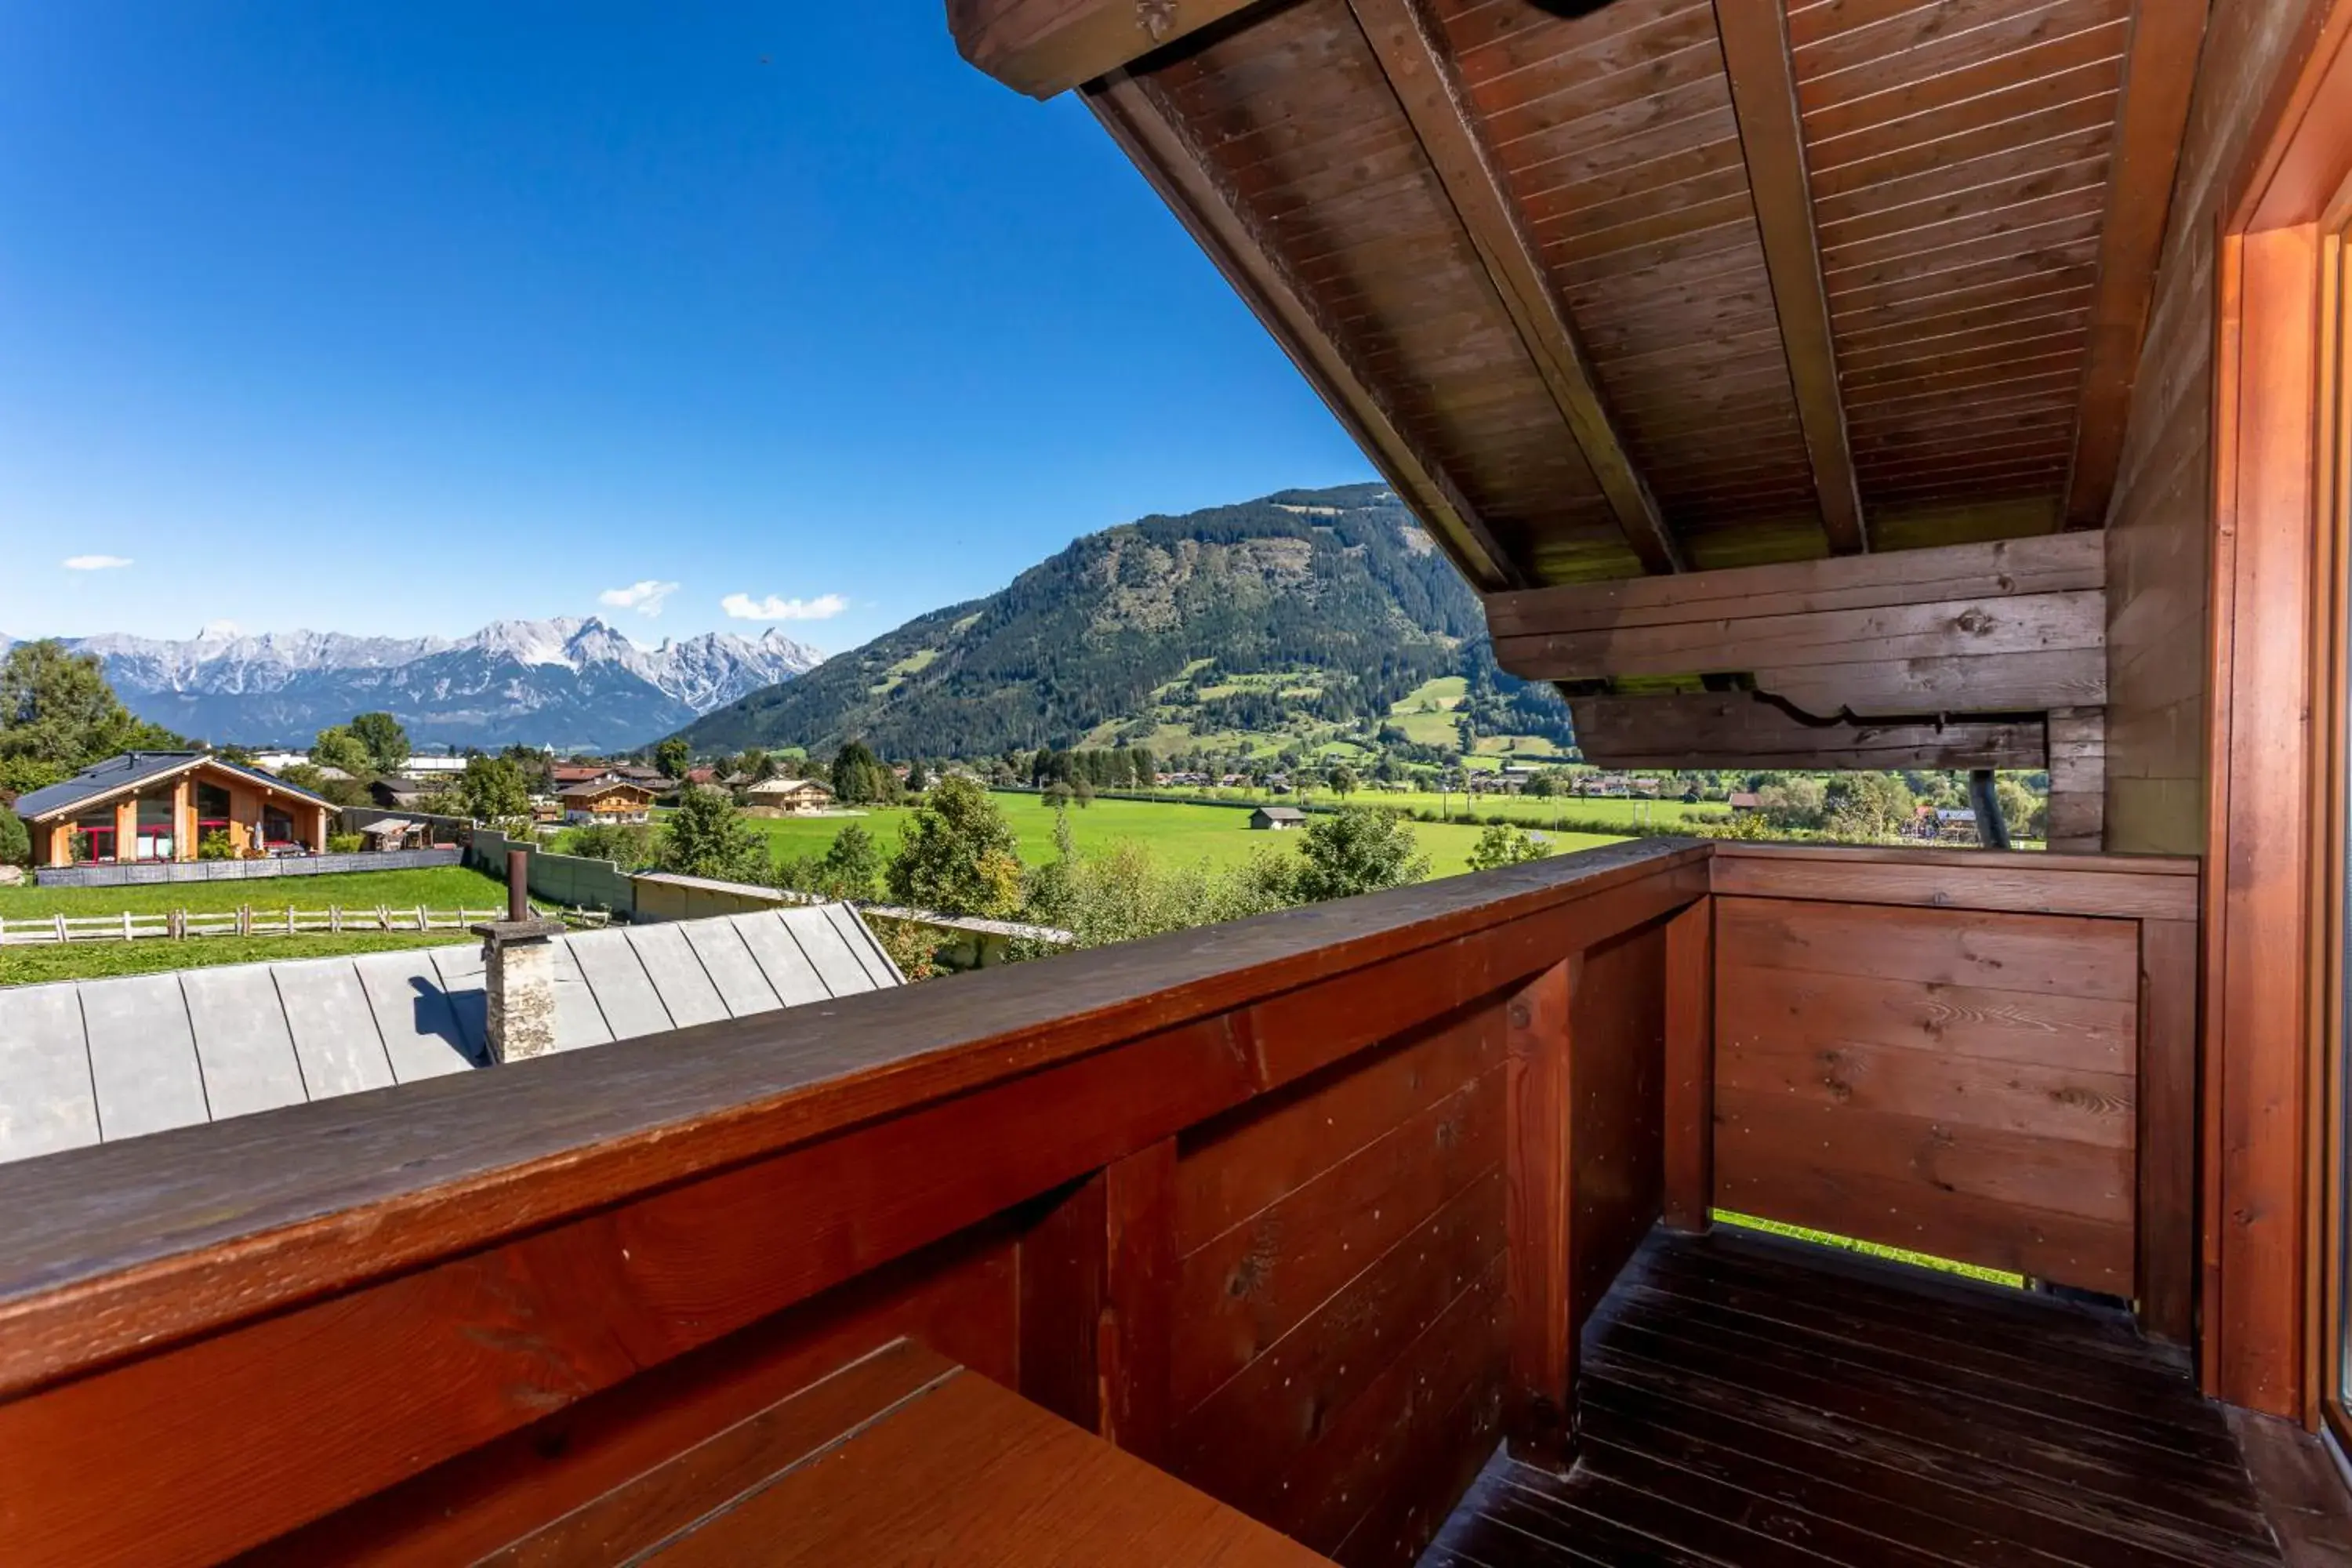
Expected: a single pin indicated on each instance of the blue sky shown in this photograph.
(400, 319)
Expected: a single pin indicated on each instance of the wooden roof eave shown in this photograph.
(1136, 111)
(1401, 37)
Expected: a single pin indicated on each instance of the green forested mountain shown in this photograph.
(1305, 614)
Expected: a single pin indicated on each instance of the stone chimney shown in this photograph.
(518, 972)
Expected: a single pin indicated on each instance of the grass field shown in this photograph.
(437, 887)
(1175, 831)
(94, 960)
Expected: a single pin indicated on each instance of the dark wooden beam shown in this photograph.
(2158, 71)
(1137, 113)
(1045, 47)
(1404, 40)
(1755, 34)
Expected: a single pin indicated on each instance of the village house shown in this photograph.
(1276, 818)
(609, 801)
(792, 797)
(160, 806)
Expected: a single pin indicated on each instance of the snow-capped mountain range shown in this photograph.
(571, 683)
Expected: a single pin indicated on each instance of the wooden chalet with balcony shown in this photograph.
(1862, 383)
(163, 805)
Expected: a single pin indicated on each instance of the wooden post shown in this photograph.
(1538, 1413)
(1690, 1066)
(2165, 1217)
(245, 920)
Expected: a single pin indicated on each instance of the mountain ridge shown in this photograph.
(1304, 610)
(570, 682)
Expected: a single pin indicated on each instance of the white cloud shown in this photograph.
(645, 597)
(743, 608)
(94, 562)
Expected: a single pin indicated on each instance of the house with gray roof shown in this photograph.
(160, 806)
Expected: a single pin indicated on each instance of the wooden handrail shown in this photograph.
(124, 1247)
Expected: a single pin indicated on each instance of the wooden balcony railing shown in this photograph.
(1303, 1209)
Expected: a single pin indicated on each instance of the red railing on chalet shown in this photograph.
(1303, 1209)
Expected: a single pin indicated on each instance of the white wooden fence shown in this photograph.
(180, 925)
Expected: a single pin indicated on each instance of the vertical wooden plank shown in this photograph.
(2261, 842)
(1690, 1065)
(2166, 1205)
(1063, 1263)
(1537, 1418)
(1140, 1267)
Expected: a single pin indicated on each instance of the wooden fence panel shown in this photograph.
(1322, 1235)
(1961, 1083)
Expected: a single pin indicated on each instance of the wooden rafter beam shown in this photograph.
(1136, 112)
(2160, 68)
(1045, 47)
(1755, 34)
(1410, 55)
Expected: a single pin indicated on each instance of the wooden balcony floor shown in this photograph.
(1749, 1401)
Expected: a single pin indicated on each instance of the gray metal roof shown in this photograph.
(88, 1061)
(130, 768)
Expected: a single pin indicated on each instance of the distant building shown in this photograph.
(794, 797)
(613, 800)
(1276, 818)
(1745, 800)
(159, 805)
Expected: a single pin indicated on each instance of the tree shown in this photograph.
(628, 845)
(850, 868)
(2027, 813)
(957, 854)
(338, 747)
(1503, 844)
(15, 843)
(673, 757)
(386, 741)
(859, 776)
(1361, 849)
(1083, 793)
(916, 780)
(1540, 786)
(1794, 804)
(493, 790)
(1342, 781)
(57, 715)
(704, 838)
(1868, 806)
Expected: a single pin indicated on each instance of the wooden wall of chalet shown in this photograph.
(1984, 1057)
(2160, 527)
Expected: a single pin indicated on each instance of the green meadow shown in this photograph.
(1176, 832)
(436, 888)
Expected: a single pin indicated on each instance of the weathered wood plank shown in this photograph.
(2054, 563)
(2036, 623)
(1706, 729)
